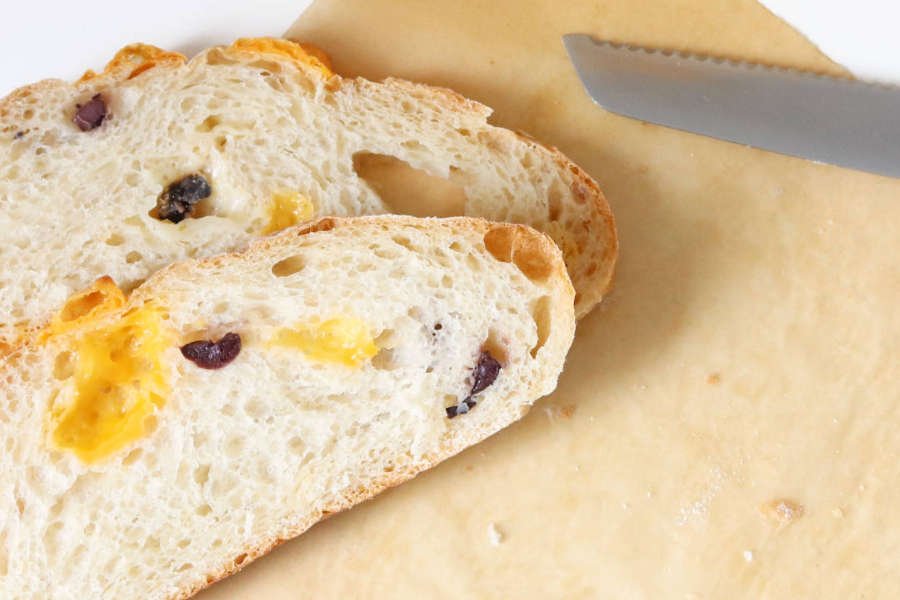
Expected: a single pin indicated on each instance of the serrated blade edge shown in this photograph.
(820, 118)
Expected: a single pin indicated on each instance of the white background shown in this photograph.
(862, 35)
(61, 38)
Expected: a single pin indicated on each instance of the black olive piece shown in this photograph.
(91, 115)
(483, 375)
(460, 409)
(485, 372)
(19, 135)
(207, 354)
(178, 200)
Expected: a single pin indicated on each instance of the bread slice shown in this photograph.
(128, 471)
(279, 139)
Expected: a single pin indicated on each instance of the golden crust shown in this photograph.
(296, 52)
(134, 59)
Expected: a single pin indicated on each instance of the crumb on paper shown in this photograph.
(698, 510)
(556, 411)
(838, 513)
(748, 555)
(782, 511)
(714, 379)
(495, 535)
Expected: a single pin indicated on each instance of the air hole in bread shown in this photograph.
(526, 161)
(521, 246)
(288, 266)
(555, 201)
(115, 240)
(81, 306)
(385, 360)
(221, 142)
(412, 145)
(150, 425)
(495, 346)
(201, 474)
(255, 409)
(133, 257)
(203, 510)
(152, 543)
(297, 445)
(132, 457)
(402, 240)
(208, 124)
(51, 537)
(234, 447)
(184, 567)
(542, 316)
(407, 190)
(63, 366)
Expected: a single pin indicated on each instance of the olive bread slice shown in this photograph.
(155, 444)
(158, 159)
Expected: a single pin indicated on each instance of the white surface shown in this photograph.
(861, 35)
(63, 38)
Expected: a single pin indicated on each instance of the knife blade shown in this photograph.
(838, 121)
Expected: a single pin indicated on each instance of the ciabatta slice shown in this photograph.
(369, 349)
(273, 132)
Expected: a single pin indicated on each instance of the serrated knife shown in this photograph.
(839, 121)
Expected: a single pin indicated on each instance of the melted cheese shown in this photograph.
(288, 208)
(118, 371)
(340, 340)
(86, 306)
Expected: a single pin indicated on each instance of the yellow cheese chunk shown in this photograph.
(286, 209)
(119, 378)
(342, 340)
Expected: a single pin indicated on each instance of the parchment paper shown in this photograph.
(728, 423)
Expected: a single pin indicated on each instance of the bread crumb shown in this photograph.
(748, 555)
(556, 411)
(837, 513)
(782, 511)
(714, 379)
(495, 535)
